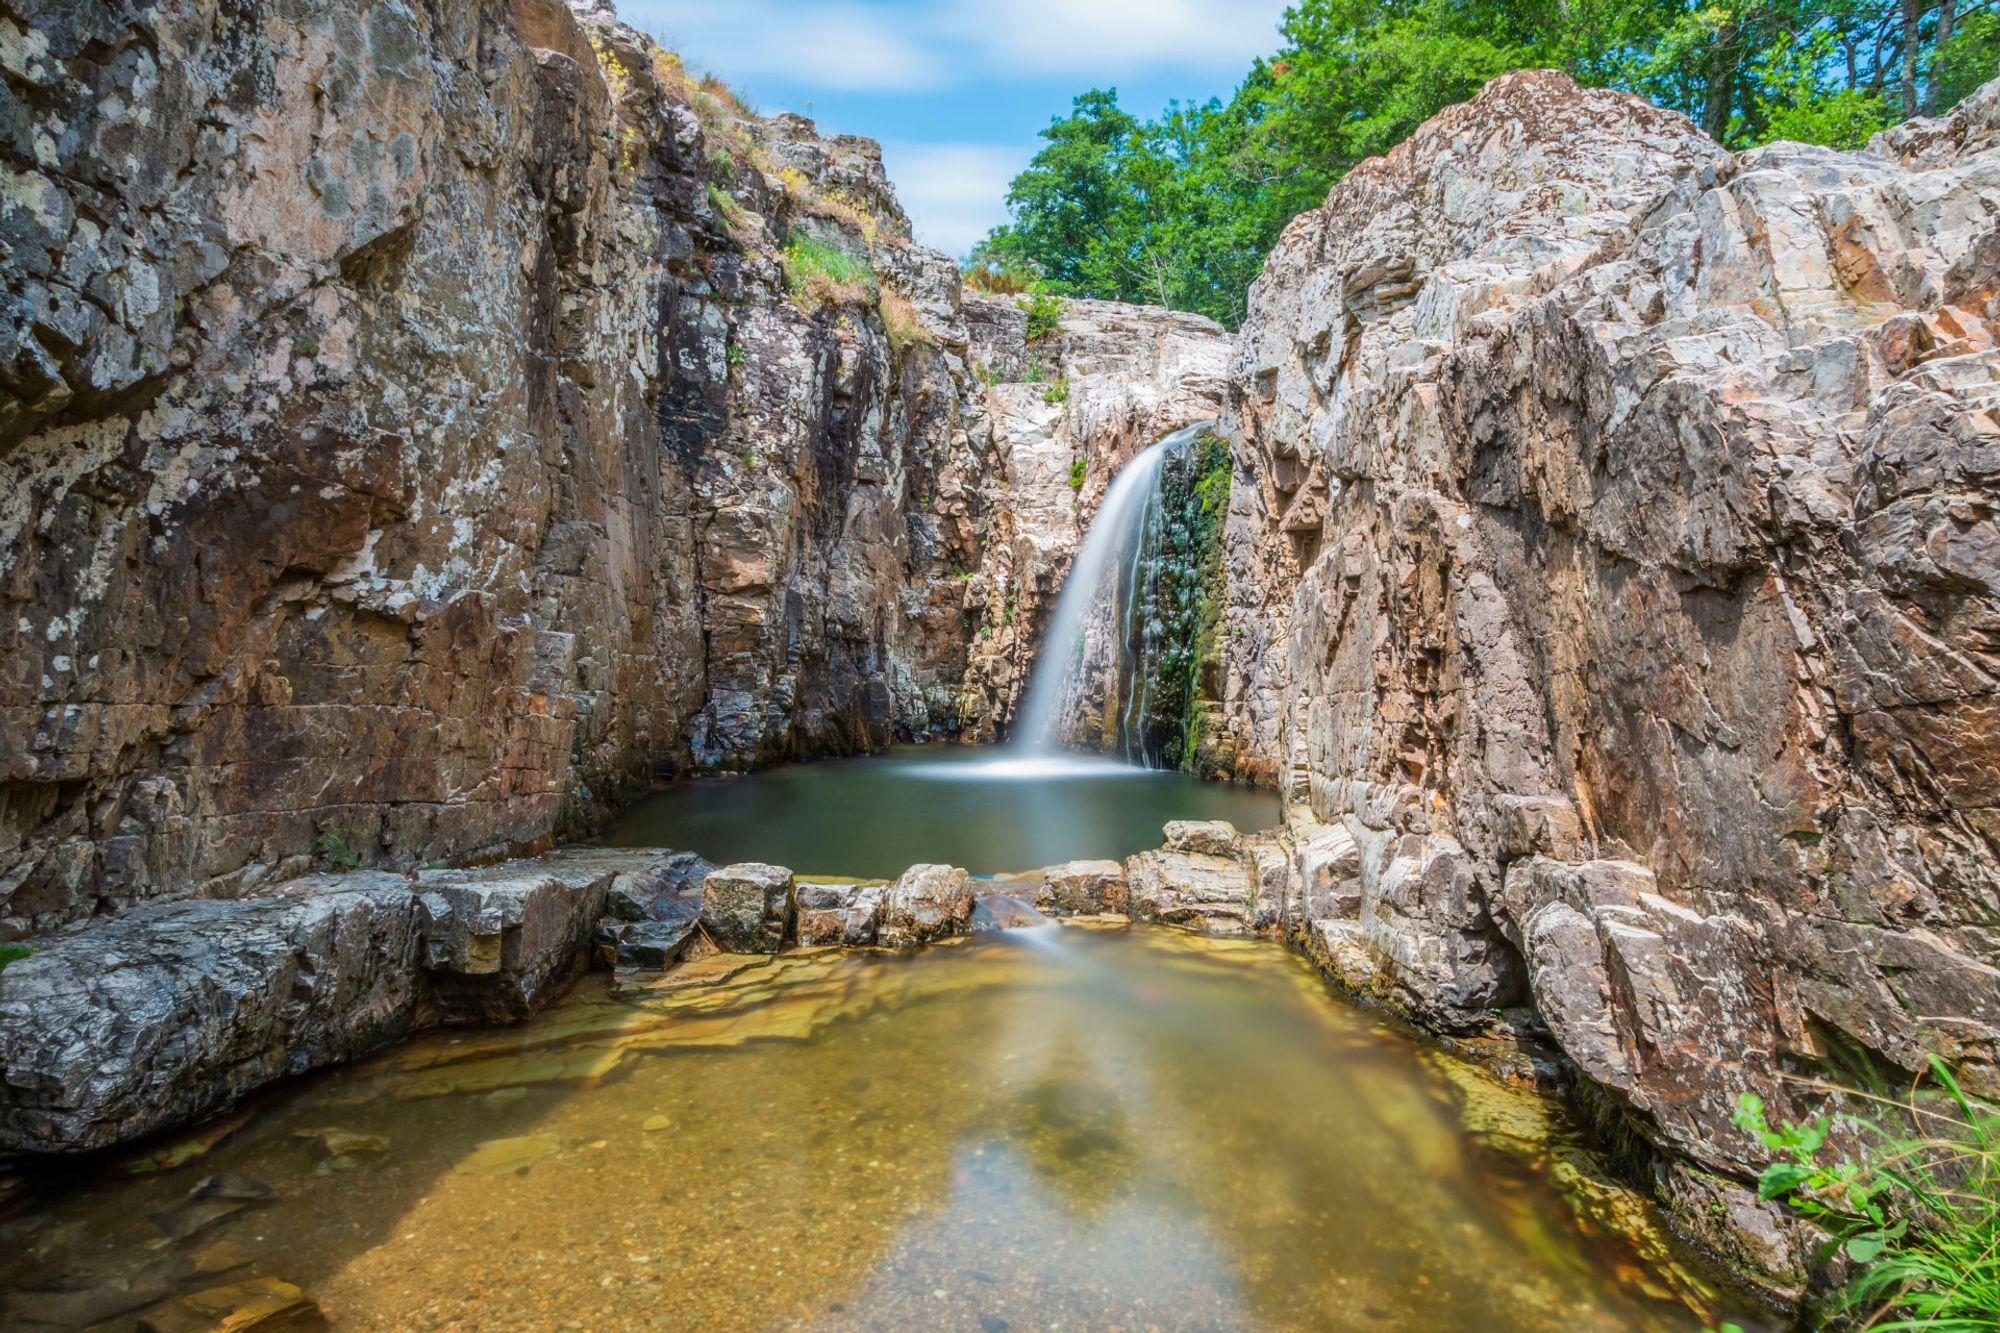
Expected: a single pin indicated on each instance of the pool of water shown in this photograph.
(986, 809)
(1045, 1129)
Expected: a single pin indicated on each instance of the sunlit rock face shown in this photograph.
(408, 436)
(1067, 411)
(1613, 566)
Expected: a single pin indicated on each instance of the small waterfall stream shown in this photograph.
(1107, 583)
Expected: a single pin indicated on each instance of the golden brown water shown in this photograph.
(1056, 1129)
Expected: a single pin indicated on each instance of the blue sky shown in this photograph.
(957, 90)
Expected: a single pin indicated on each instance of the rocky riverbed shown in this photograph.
(1134, 1126)
(420, 432)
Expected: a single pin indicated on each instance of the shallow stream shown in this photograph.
(1053, 1128)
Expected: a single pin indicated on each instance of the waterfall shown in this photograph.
(1109, 572)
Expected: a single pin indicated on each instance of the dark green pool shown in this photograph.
(986, 809)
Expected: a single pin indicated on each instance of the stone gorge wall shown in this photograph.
(1113, 380)
(407, 436)
(1613, 594)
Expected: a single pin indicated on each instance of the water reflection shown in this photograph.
(987, 810)
(1032, 1131)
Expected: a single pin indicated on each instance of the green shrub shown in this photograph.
(1056, 393)
(333, 849)
(12, 953)
(817, 274)
(1045, 312)
(1076, 471)
(1918, 1215)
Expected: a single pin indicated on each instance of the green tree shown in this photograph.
(1181, 210)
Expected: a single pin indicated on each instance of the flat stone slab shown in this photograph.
(172, 1012)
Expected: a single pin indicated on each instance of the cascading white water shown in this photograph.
(1106, 570)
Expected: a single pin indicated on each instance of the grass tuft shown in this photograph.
(902, 323)
(819, 275)
(1917, 1215)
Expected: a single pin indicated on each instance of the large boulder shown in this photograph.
(1211, 894)
(174, 1011)
(926, 903)
(1083, 888)
(847, 914)
(652, 914)
(502, 941)
(747, 908)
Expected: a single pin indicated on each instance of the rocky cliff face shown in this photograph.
(1613, 582)
(413, 435)
(1067, 413)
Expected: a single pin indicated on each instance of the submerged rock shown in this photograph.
(926, 903)
(748, 908)
(260, 1305)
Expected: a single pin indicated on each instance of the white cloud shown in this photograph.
(1102, 39)
(838, 46)
(953, 192)
(913, 46)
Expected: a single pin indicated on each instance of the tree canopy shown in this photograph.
(1180, 210)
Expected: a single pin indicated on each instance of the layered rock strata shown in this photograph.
(175, 1010)
(1612, 592)
(421, 427)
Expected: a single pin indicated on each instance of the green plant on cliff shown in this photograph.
(1056, 393)
(1045, 311)
(1182, 616)
(12, 953)
(1917, 1212)
(901, 322)
(334, 851)
(1077, 467)
(819, 275)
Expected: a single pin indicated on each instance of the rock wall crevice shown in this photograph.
(412, 442)
(1610, 597)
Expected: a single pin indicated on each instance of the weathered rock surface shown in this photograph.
(845, 914)
(1129, 375)
(1205, 837)
(1083, 888)
(410, 444)
(651, 914)
(748, 908)
(175, 1010)
(926, 903)
(1612, 592)
(1212, 894)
